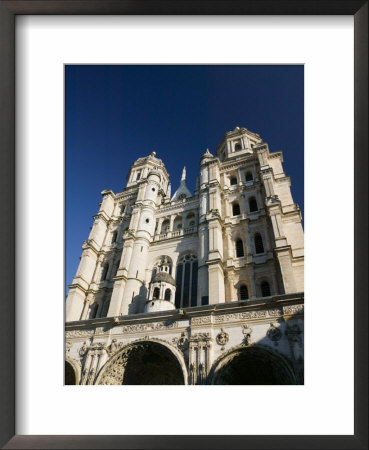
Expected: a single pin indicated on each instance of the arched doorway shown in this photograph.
(70, 375)
(143, 363)
(252, 365)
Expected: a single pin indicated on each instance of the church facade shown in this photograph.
(202, 288)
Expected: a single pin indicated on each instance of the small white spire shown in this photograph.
(183, 174)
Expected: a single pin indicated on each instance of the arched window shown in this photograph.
(244, 293)
(236, 209)
(237, 147)
(165, 226)
(114, 236)
(168, 294)
(233, 181)
(104, 272)
(265, 289)
(253, 204)
(186, 281)
(259, 247)
(239, 248)
(138, 175)
(249, 176)
(156, 293)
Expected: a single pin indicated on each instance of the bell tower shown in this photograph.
(149, 180)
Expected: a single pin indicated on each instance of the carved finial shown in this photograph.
(153, 154)
(183, 174)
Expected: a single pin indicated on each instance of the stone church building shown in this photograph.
(192, 288)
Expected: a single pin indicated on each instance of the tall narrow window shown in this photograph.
(244, 293)
(168, 294)
(233, 181)
(265, 289)
(237, 147)
(114, 237)
(259, 247)
(186, 281)
(236, 209)
(156, 293)
(249, 176)
(239, 248)
(138, 175)
(104, 272)
(253, 204)
(93, 311)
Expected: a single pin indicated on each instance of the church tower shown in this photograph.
(192, 288)
(239, 237)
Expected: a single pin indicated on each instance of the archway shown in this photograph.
(252, 365)
(70, 375)
(144, 363)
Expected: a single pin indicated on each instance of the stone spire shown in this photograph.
(182, 191)
(183, 174)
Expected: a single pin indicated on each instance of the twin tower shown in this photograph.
(237, 238)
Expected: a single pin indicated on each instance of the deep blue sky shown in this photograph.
(116, 114)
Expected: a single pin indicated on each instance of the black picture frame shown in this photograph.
(8, 11)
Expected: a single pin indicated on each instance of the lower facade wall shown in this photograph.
(203, 345)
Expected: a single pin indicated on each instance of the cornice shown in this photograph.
(196, 311)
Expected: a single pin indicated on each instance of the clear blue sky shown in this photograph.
(116, 114)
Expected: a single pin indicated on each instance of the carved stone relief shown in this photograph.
(222, 338)
(246, 330)
(181, 342)
(274, 334)
(199, 357)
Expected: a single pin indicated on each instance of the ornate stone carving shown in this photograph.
(202, 320)
(78, 333)
(222, 338)
(293, 309)
(68, 346)
(246, 330)
(144, 327)
(114, 347)
(275, 312)
(274, 334)
(199, 357)
(181, 342)
(83, 349)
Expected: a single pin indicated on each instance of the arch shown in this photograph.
(239, 248)
(252, 365)
(236, 211)
(259, 246)
(71, 372)
(143, 354)
(168, 294)
(153, 266)
(265, 289)
(244, 292)
(165, 226)
(156, 293)
(253, 205)
(248, 176)
(177, 223)
(237, 147)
